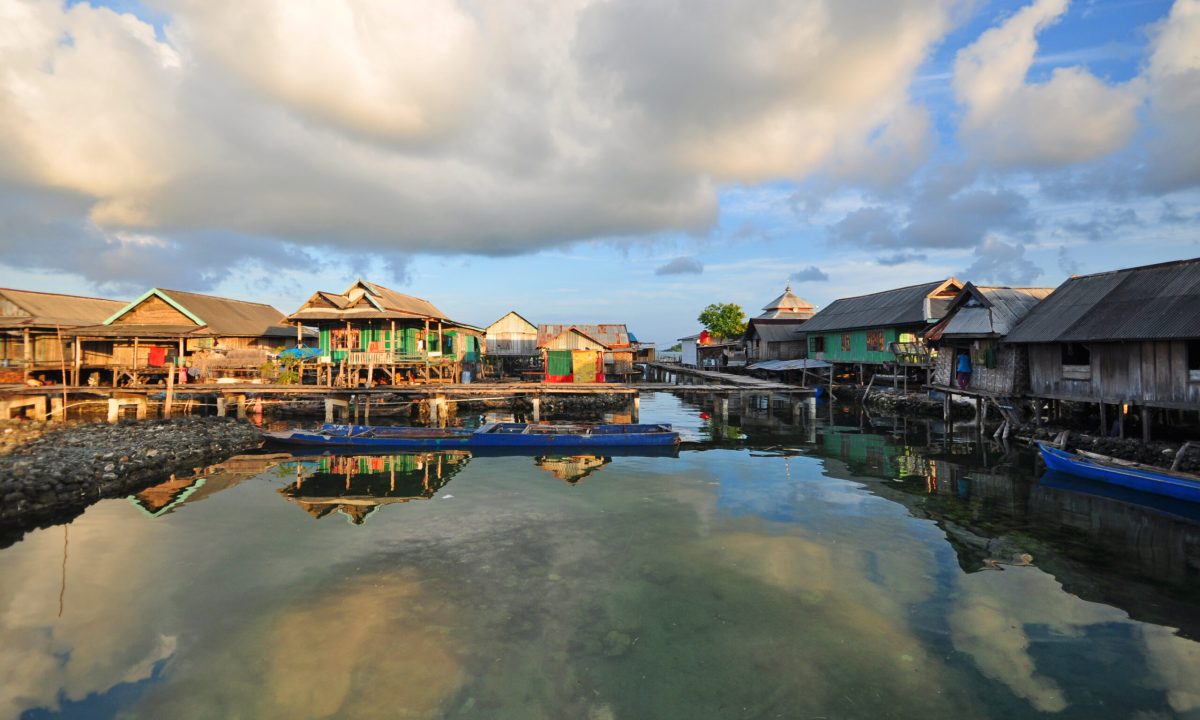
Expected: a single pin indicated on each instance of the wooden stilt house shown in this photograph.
(611, 340)
(216, 336)
(976, 326)
(882, 330)
(32, 342)
(512, 344)
(370, 334)
(1125, 340)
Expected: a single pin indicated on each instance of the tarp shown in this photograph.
(588, 366)
(781, 365)
(300, 353)
(558, 366)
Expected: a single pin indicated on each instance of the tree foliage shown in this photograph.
(724, 320)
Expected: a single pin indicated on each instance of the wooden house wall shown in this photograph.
(1009, 377)
(511, 336)
(1150, 373)
(573, 341)
(618, 361)
(153, 311)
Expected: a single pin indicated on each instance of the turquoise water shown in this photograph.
(841, 571)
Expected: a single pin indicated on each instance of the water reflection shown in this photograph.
(357, 485)
(828, 572)
(571, 469)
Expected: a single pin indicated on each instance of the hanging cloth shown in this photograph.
(584, 365)
(558, 366)
(157, 357)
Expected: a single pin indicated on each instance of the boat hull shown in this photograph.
(514, 436)
(1139, 479)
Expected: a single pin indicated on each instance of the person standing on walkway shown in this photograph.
(964, 370)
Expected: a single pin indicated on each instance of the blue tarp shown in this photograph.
(300, 353)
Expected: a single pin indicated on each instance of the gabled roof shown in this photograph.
(890, 308)
(217, 316)
(43, 309)
(788, 305)
(987, 311)
(1152, 302)
(515, 314)
(366, 301)
(610, 335)
(776, 329)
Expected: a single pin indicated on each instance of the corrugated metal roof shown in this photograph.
(781, 365)
(367, 301)
(610, 335)
(1153, 302)
(50, 309)
(225, 317)
(902, 306)
(988, 311)
(788, 331)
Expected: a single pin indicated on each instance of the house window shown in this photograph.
(875, 340)
(846, 343)
(819, 344)
(1076, 354)
(1076, 361)
(1193, 360)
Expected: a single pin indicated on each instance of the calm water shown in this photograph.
(843, 571)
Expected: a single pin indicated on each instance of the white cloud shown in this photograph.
(1174, 81)
(499, 127)
(1071, 118)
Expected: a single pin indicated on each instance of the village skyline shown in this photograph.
(625, 178)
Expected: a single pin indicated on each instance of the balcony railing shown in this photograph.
(394, 358)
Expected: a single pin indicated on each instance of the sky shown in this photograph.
(592, 160)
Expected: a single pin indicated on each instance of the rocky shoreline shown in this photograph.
(52, 472)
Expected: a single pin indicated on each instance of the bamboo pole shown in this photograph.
(170, 392)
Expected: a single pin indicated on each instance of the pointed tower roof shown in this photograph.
(788, 305)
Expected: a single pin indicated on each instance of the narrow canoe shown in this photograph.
(492, 435)
(1181, 486)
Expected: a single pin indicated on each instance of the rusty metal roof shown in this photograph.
(776, 330)
(1153, 302)
(43, 309)
(899, 307)
(610, 335)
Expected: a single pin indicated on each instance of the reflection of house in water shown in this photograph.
(356, 485)
(573, 468)
(165, 497)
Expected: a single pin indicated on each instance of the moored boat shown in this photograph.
(492, 435)
(1146, 478)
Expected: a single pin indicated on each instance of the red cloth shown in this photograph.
(561, 378)
(158, 357)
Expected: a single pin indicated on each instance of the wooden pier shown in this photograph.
(53, 401)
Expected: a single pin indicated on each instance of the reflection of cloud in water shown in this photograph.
(375, 646)
(105, 636)
(990, 614)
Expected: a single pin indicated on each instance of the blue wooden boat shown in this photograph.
(492, 435)
(1181, 486)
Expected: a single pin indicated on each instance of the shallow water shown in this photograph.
(842, 570)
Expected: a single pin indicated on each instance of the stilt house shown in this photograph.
(165, 328)
(1121, 339)
(776, 334)
(611, 340)
(31, 341)
(977, 325)
(372, 334)
(880, 329)
(512, 345)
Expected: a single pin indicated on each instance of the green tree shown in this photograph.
(724, 320)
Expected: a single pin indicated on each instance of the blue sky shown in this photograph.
(614, 162)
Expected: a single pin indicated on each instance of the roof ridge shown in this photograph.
(217, 297)
(55, 294)
(882, 292)
(1184, 261)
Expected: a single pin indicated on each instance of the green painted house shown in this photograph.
(390, 336)
(871, 329)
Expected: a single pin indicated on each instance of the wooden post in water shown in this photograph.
(170, 392)
(221, 403)
(1147, 418)
(636, 414)
(1103, 421)
(537, 408)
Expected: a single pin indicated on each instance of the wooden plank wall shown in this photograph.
(1153, 373)
(153, 311)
